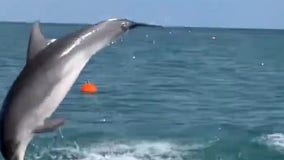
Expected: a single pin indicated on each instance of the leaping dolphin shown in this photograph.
(51, 68)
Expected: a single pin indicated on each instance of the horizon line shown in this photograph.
(78, 23)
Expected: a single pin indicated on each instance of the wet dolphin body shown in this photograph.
(51, 69)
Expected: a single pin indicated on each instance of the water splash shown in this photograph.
(274, 141)
(143, 150)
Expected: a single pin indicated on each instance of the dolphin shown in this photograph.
(52, 66)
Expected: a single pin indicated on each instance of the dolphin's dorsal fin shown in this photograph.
(37, 41)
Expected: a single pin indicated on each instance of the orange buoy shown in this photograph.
(88, 88)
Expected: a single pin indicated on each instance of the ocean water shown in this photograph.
(166, 94)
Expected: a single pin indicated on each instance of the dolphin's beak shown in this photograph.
(136, 25)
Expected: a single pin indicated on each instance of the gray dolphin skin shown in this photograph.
(52, 67)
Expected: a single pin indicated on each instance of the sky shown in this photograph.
(193, 13)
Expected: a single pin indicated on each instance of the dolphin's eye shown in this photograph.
(124, 25)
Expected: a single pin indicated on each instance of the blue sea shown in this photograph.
(165, 94)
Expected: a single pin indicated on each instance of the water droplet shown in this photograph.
(154, 42)
(60, 133)
(146, 35)
(133, 57)
(112, 42)
(262, 64)
(240, 155)
(213, 37)
(170, 32)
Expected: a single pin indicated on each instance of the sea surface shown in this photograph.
(165, 94)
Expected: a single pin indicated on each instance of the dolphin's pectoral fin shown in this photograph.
(49, 125)
(37, 42)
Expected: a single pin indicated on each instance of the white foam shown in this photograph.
(143, 150)
(274, 141)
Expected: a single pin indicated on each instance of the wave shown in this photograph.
(142, 150)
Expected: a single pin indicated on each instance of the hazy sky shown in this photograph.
(205, 13)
